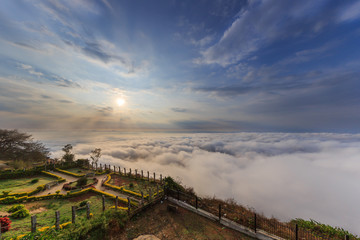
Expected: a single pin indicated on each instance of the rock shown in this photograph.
(147, 237)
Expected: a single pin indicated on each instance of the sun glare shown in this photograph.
(120, 101)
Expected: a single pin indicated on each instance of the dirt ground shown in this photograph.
(119, 181)
(182, 224)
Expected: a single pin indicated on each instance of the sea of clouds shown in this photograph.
(285, 175)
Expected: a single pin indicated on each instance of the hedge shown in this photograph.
(122, 189)
(69, 173)
(13, 199)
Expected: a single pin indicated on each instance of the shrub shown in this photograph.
(83, 203)
(6, 193)
(81, 182)
(131, 185)
(5, 224)
(57, 192)
(21, 213)
(35, 180)
(16, 208)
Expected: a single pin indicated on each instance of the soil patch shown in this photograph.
(119, 181)
(39, 210)
(181, 224)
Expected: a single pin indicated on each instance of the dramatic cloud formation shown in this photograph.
(285, 175)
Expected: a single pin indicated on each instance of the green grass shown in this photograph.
(46, 214)
(138, 185)
(23, 184)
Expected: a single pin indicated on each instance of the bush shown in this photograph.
(21, 213)
(81, 182)
(5, 224)
(83, 203)
(35, 180)
(131, 185)
(16, 208)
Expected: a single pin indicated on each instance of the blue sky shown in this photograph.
(290, 66)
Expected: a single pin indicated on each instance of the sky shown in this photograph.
(263, 66)
(282, 175)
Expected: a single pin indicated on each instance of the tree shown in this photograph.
(68, 156)
(95, 155)
(18, 146)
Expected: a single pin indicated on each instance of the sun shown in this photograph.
(120, 102)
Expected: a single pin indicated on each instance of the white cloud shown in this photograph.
(350, 13)
(283, 175)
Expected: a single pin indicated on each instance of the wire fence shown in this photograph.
(250, 219)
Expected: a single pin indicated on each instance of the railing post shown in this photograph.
(196, 202)
(160, 178)
(142, 198)
(135, 173)
(116, 202)
(88, 210)
(33, 223)
(73, 213)
(130, 173)
(103, 202)
(296, 232)
(148, 176)
(219, 212)
(150, 193)
(129, 205)
(120, 171)
(57, 220)
(142, 174)
(154, 177)
(255, 222)
(347, 237)
(125, 172)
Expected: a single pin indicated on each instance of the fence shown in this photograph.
(249, 218)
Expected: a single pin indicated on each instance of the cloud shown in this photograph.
(350, 13)
(260, 24)
(283, 175)
(176, 109)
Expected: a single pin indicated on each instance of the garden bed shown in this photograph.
(21, 185)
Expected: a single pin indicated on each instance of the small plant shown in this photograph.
(131, 185)
(19, 211)
(81, 182)
(83, 203)
(5, 224)
(16, 208)
(57, 192)
(79, 171)
(22, 213)
(35, 180)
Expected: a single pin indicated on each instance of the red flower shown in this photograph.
(5, 224)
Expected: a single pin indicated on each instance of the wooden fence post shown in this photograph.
(33, 223)
(142, 174)
(116, 202)
(219, 212)
(296, 232)
(125, 172)
(88, 210)
(148, 176)
(160, 178)
(196, 202)
(73, 214)
(135, 173)
(142, 198)
(150, 194)
(119, 170)
(103, 202)
(154, 177)
(57, 220)
(129, 205)
(255, 222)
(100, 167)
(157, 189)
(130, 173)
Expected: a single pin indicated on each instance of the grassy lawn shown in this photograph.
(23, 184)
(134, 185)
(45, 212)
(89, 181)
(78, 170)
